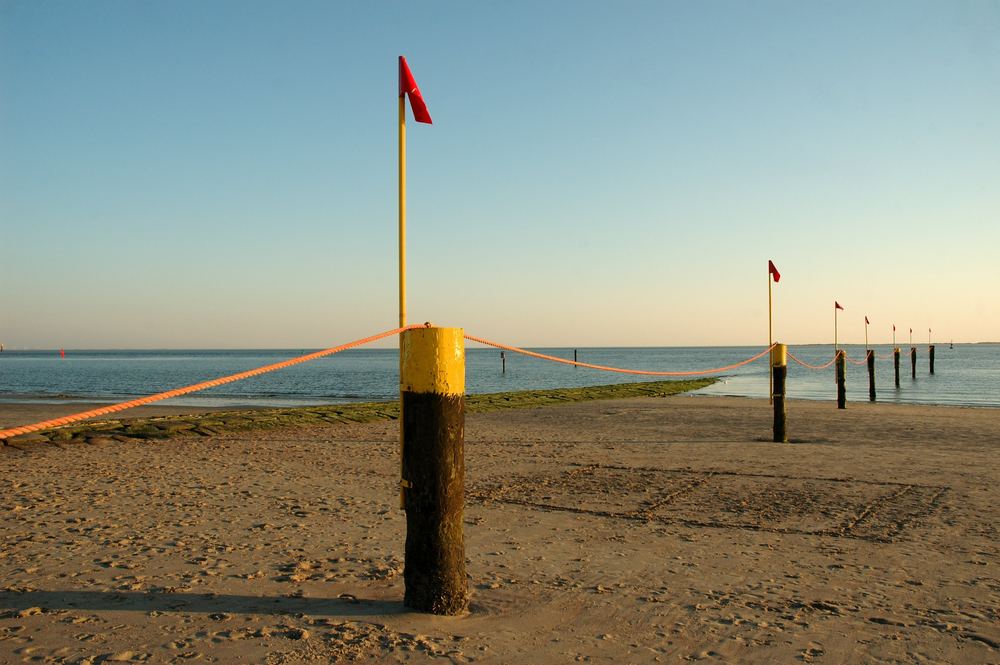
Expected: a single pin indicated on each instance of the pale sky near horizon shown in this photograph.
(223, 174)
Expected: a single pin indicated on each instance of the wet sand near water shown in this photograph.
(639, 530)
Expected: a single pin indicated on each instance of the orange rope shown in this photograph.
(177, 392)
(808, 366)
(615, 369)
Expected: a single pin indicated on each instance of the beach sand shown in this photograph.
(639, 530)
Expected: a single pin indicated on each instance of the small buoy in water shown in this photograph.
(62, 353)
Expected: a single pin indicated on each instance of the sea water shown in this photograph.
(968, 374)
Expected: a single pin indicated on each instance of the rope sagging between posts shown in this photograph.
(808, 366)
(177, 392)
(620, 370)
(186, 390)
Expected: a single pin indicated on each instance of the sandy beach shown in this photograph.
(636, 530)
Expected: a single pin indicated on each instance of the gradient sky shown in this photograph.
(222, 174)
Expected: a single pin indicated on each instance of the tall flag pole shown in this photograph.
(894, 336)
(911, 336)
(866, 333)
(402, 198)
(775, 276)
(836, 306)
(407, 88)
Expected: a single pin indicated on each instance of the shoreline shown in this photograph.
(162, 421)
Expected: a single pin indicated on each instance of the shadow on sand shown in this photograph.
(345, 606)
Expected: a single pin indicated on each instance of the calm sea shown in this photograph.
(968, 374)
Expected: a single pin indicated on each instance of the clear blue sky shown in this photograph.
(222, 174)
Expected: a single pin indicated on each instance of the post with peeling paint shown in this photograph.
(432, 388)
(779, 372)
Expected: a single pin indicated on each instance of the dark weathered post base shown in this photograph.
(895, 363)
(841, 380)
(930, 357)
(871, 375)
(913, 361)
(779, 374)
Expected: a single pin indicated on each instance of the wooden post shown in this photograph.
(503, 363)
(871, 375)
(895, 363)
(930, 357)
(841, 380)
(432, 385)
(913, 361)
(574, 355)
(779, 373)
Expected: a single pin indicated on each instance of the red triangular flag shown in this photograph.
(408, 87)
(866, 321)
(774, 271)
(836, 305)
(894, 327)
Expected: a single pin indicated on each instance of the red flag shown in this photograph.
(866, 321)
(774, 271)
(894, 327)
(837, 305)
(408, 87)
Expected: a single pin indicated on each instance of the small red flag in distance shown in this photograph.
(774, 271)
(837, 305)
(867, 322)
(894, 327)
(408, 87)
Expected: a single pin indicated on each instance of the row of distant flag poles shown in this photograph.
(408, 89)
(773, 277)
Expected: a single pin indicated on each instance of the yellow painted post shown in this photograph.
(779, 373)
(432, 387)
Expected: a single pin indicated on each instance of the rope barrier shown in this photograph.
(605, 368)
(808, 366)
(177, 392)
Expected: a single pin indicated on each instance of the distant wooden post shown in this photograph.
(871, 375)
(930, 357)
(503, 363)
(779, 373)
(432, 386)
(913, 361)
(895, 363)
(841, 380)
(574, 355)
